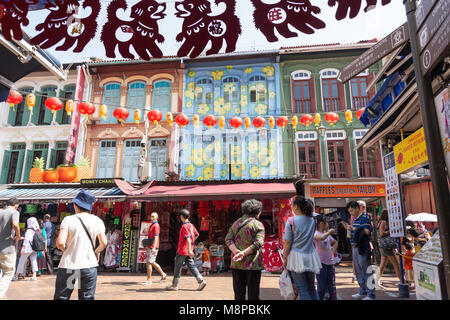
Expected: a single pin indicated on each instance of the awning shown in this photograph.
(56, 194)
(197, 192)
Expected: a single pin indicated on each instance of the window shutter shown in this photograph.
(36, 109)
(12, 115)
(348, 158)
(318, 159)
(48, 116)
(341, 92)
(45, 156)
(52, 163)
(312, 94)
(28, 165)
(26, 114)
(19, 169)
(5, 166)
(59, 113)
(372, 91)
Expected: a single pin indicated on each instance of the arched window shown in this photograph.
(204, 96)
(161, 96)
(111, 97)
(231, 90)
(135, 98)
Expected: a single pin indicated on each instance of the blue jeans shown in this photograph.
(179, 259)
(304, 282)
(362, 263)
(326, 281)
(65, 283)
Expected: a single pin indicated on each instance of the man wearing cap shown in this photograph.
(79, 261)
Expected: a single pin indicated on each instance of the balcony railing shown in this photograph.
(330, 104)
(367, 168)
(309, 169)
(360, 102)
(303, 106)
(337, 170)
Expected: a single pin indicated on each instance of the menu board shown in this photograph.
(393, 199)
(431, 252)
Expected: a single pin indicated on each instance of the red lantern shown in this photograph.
(210, 121)
(332, 118)
(306, 120)
(359, 113)
(154, 116)
(86, 108)
(182, 120)
(14, 98)
(121, 114)
(236, 122)
(259, 122)
(54, 104)
(282, 121)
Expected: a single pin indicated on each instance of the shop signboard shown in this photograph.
(125, 254)
(411, 152)
(143, 234)
(393, 199)
(99, 182)
(442, 102)
(347, 191)
(422, 11)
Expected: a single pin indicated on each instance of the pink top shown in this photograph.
(325, 249)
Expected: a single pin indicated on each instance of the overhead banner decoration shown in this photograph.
(204, 21)
(356, 190)
(411, 152)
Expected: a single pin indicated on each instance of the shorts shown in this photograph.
(409, 275)
(386, 252)
(151, 258)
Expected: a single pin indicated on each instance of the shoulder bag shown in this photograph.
(87, 233)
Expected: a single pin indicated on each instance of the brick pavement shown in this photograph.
(126, 286)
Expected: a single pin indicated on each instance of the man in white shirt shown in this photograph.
(79, 261)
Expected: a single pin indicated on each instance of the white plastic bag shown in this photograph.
(286, 288)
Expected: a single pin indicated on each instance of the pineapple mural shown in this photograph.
(36, 170)
(84, 169)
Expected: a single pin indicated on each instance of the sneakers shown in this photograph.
(201, 285)
(33, 279)
(164, 277)
(14, 279)
(358, 296)
(148, 282)
(369, 298)
(171, 288)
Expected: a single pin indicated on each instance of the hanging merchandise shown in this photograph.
(236, 122)
(282, 121)
(121, 114)
(294, 122)
(196, 120)
(210, 121)
(137, 116)
(247, 122)
(359, 113)
(169, 118)
(69, 107)
(182, 120)
(53, 104)
(332, 118)
(259, 122)
(306, 120)
(14, 98)
(317, 119)
(31, 101)
(103, 111)
(349, 116)
(154, 116)
(204, 225)
(222, 122)
(86, 108)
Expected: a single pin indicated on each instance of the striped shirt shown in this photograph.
(362, 222)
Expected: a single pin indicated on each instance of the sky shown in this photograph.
(377, 23)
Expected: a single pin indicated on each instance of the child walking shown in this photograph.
(326, 247)
(408, 265)
(206, 266)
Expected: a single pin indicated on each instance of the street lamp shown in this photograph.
(322, 130)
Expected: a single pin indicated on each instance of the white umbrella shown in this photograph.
(422, 217)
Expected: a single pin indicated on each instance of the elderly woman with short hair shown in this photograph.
(245, 240)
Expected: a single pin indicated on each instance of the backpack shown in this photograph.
(38, 243)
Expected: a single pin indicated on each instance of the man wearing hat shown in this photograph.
(76, 239)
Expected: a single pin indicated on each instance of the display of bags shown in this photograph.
(286, 288)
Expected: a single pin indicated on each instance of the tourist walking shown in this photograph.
(76, 239)
(50, 231)
(27, 251)
(326, 247)
(185, 253)
(9, 236)
(245, 239)
(387, 246)
(152, 251)
(41, 255)
(300, 257)
(360, 240)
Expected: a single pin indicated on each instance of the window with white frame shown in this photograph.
(301, 75)
(306, 135)
(303, 92)
(308, 151)
(336, 135)
(359, 134)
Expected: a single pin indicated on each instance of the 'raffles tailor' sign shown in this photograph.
(341, 191)
(126, 247)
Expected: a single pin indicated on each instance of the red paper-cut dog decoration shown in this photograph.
(63, 23)
(354, 6)
(200, 27)
(271, 15)
(15, 14)
(141, 32)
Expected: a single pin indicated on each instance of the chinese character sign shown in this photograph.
(411, 152)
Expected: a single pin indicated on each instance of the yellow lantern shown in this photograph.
(294, 122)
(222, 122)
(103, 111)
(317, 119)
(137, 116)
(349, 116)
(169, 117)
(196, 120)
(247, 122)
(69, 107)
(31, 101)
(271, 122)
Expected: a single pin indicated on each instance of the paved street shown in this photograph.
(126, 286)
